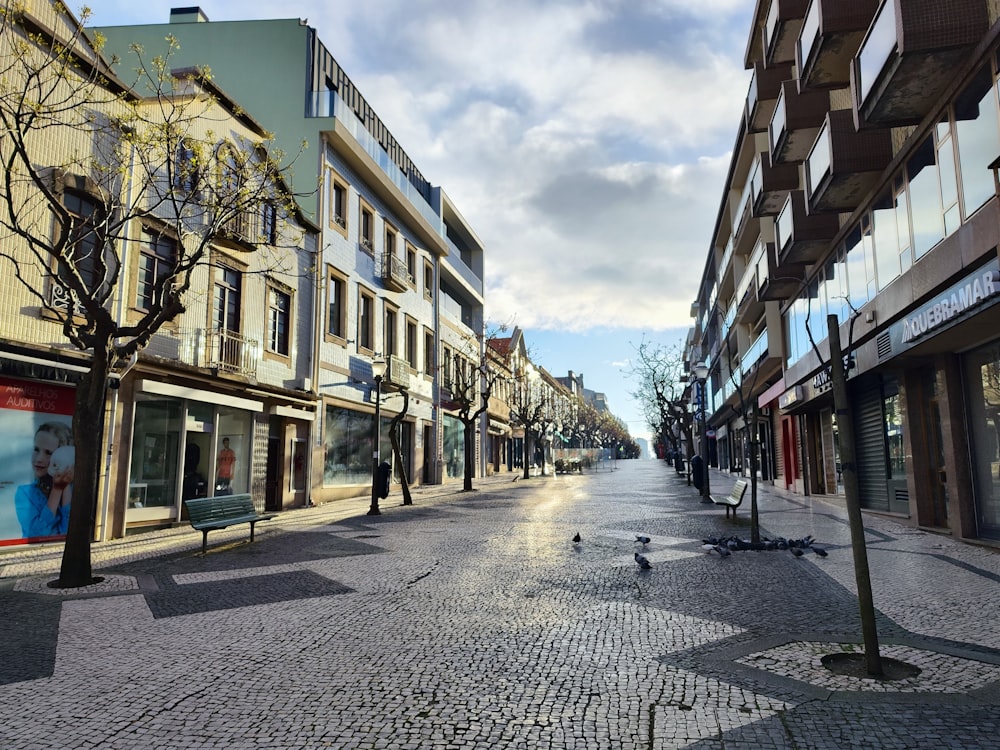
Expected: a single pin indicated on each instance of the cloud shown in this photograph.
(586, 141)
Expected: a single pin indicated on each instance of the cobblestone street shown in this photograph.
(472, 620)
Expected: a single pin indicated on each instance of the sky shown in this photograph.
(585, 141)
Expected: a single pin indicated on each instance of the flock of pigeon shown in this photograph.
(725, 546)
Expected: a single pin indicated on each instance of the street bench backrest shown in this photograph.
(220, 508)
(738, 489)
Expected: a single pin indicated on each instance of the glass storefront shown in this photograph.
(454, 447)
(347, 438)
(183, 449)
(982, 369)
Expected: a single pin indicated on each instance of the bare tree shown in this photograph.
(473, 378)
(662, 389)
(86, 159)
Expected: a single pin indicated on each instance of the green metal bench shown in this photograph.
(734, 498)
(210, 513)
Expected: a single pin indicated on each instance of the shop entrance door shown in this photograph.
(938, 474)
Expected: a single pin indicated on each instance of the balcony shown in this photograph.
(779, 282)
(765, 85)
(749, 303)
(909, 57)
(844, 163)
(781, 29)
(238, 233)
(228, 351)
(831, 34)
(760, 357)
(395, 277)
(770, 185)
(797, 119)
(802, 237)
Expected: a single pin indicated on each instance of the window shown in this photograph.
(86, 243)
(269, 223)
(978, 134)
(186, 169)
(338, 202)
(232, 183)
(226, 304)
(279, 310)
(411, 264)
(366, 320)
(366, 235)
(336, 300)
(390, 239)
(411, 342)
(429, 361)
(157, 258)
(428, 280)
(390, 333)
(925, 198)
(446, 366)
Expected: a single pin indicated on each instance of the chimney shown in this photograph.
(192, 14)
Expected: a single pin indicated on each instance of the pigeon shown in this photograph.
(642, 562)
(644, 539)
(723, 551)
(576, 538)
(819, 551)
(796, 551)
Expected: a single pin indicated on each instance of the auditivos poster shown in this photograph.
(36, 460)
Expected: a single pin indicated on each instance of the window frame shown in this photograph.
(366, 227)
(275, 288)
(338, 193)
(338, 279)
(366, 320)
(147, 252)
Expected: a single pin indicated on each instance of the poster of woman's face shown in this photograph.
(37, 457)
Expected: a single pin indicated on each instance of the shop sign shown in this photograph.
(791, 396)
(951, 305)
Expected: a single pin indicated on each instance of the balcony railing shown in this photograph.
(395, 276)
(877, 49)
(228, 351)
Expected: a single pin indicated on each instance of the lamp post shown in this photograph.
(701, 374)
(378, 371)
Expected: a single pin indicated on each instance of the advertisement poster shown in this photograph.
(36, 460)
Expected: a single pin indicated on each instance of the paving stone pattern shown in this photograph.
(472, 620)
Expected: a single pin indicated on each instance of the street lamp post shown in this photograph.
(701, 374)
(378, 371)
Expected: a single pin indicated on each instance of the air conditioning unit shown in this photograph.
(304, 384)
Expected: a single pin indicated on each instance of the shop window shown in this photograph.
(347, 443)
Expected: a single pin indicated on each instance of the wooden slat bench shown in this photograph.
(210, 513)
(734, 498)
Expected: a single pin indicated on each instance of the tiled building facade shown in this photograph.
(863, 185)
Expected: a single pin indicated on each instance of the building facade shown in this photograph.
(401, 271)
(863, 186)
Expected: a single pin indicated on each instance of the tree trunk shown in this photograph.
(852, 494)
(469, 439)
(526, 450)
(394, 441)
(88, 431)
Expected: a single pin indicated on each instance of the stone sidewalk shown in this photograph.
(471, 620)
